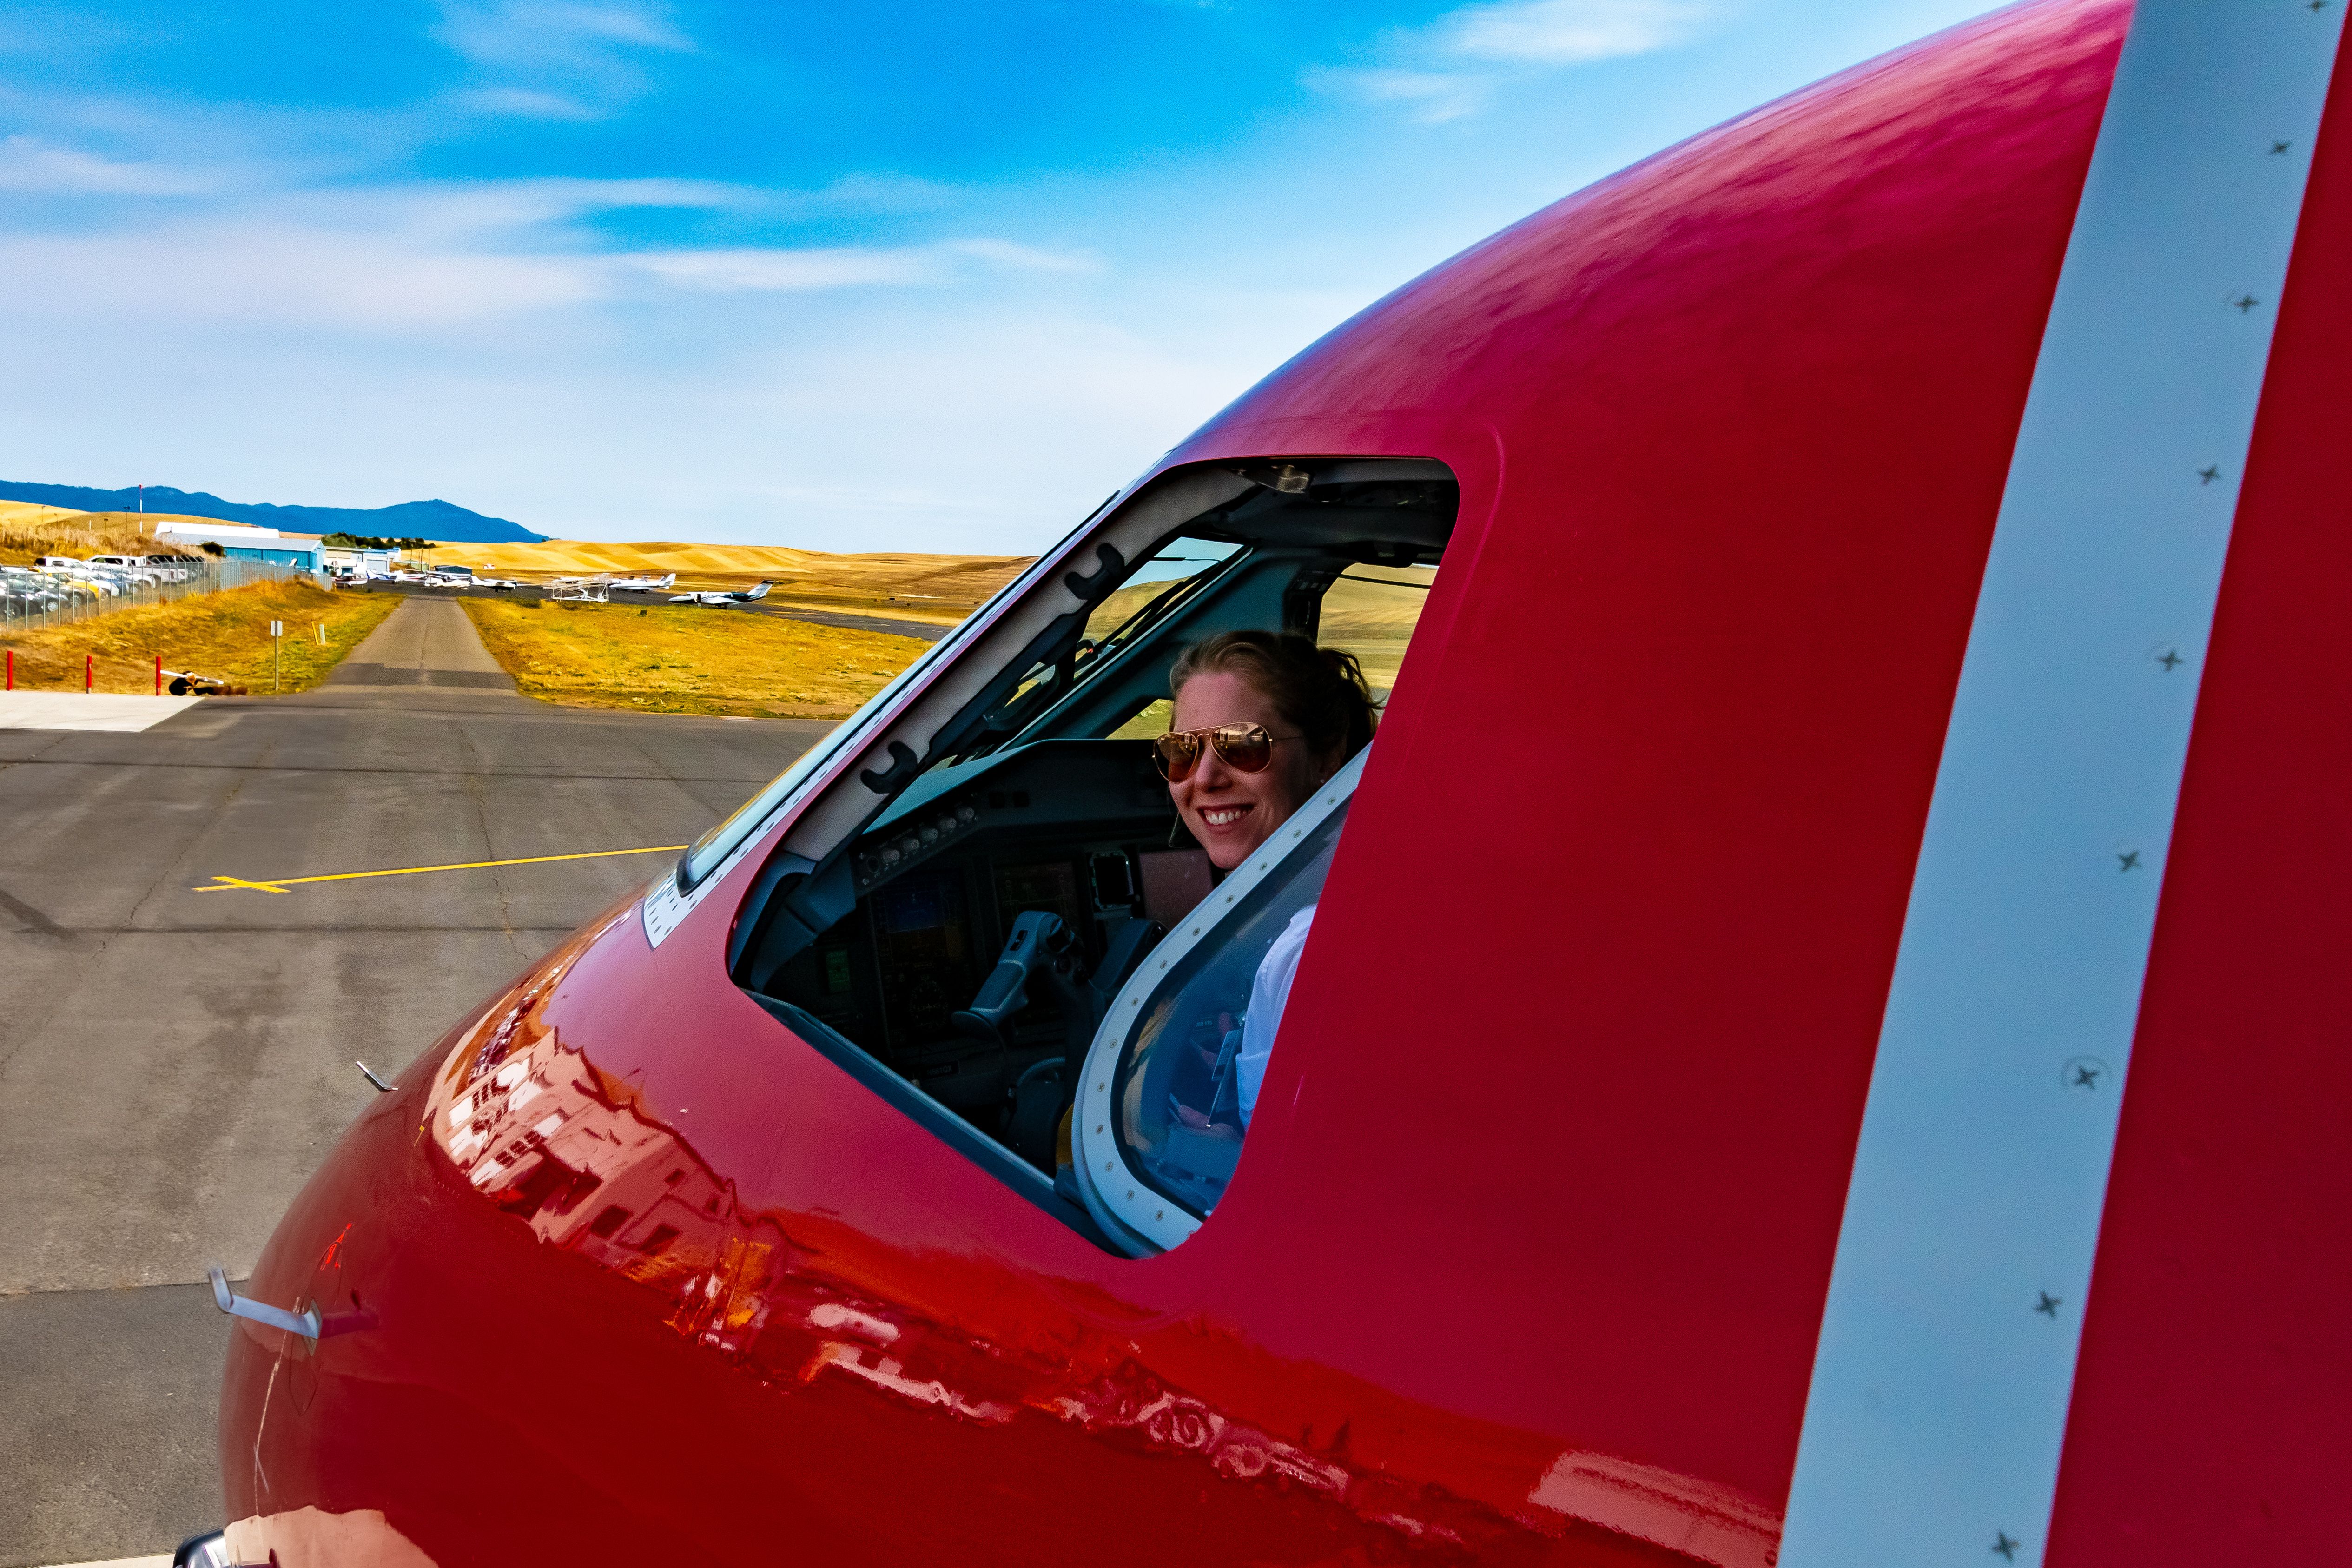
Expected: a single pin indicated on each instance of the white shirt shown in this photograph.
(1269, 993)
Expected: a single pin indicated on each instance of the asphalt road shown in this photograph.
(926, 631)
(173, 1063)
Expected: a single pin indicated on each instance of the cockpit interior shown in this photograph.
(960, 949)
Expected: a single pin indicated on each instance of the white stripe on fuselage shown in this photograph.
(1940, 1386)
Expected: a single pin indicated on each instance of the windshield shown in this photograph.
(1169, 579)
(1370, 612)
(1163, 581)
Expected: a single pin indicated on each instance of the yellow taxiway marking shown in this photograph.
(279, 884)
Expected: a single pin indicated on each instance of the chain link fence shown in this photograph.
(33, 600)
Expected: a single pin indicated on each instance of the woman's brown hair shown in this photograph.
(1320, 691)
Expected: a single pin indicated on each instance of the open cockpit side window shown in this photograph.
(962, 912)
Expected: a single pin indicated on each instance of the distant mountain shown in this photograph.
(409, 519)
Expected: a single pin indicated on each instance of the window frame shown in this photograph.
(803, 824)
(1140, 1218)
(817, 799)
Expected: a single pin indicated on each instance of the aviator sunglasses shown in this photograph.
(1245, 748)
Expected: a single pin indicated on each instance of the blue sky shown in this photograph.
(871, 276)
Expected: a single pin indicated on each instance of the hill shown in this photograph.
(409, 519)
(20, 514)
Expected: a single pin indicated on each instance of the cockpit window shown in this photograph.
(953, 916)
(1166, 578)
(1166, 581)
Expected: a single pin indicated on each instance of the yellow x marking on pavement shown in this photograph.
(279, 884)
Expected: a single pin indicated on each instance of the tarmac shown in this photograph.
(173, 1064)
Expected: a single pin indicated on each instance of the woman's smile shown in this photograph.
(1230, 812)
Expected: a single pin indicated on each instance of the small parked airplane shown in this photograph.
(720, 598)
(643, 584)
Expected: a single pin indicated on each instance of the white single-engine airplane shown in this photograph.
(722, 599)
(643, 584)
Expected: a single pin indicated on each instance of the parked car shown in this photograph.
(134, 567)
(86, 576)
(26, 592)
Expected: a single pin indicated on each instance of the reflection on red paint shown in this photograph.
(547, 1136)
(1694, 1518)
(530, 1125)
(802, 1326)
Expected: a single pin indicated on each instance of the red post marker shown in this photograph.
(89, 672)
(12, 670)
(159, 675)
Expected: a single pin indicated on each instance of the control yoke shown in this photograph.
(1006, 990)
(1042, 949)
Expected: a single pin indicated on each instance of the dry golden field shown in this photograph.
(938, 588)
(225, 635)
(661, 660)
(21, 514)
(1371, 613)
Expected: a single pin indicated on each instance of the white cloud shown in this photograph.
(778, 270)
(276, 276)
(1449, 70)
(870, 194)
(1431, 97)
(512, 206)
(560, 32)
(745, 270)
(28, 163)
(554, 59)
(1566, 32)
(1024, 258)
(424, 259)
(523, 104)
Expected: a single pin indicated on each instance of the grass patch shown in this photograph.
(224, 634)
(682, 659)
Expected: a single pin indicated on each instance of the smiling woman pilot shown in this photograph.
(1262, 720)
